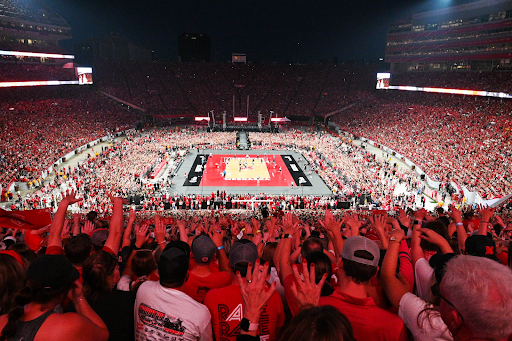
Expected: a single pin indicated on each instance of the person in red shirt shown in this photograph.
(226, 304)
(359, 264)
(202, 278)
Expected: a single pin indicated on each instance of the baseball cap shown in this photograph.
(242, 251)
(481, 246)
(438, 263)
(203, 249)
(359, 243)
(52, 271)
(180, 245)
(174, 259)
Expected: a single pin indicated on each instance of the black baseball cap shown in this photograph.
(52, 272)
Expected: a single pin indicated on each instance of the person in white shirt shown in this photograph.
(162, 311)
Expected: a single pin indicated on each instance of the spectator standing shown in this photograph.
(162, 310)
(226, 304)
(359, 263)
(50, 280)
(475, 299)
(201, 277)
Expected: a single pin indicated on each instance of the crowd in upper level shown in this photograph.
(195, 89)
(464, 139)
(39, 126)
(35, 72)
(492, 81)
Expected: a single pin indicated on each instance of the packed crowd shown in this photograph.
(39, 72)
(447, 137)
(451, 138)
(197, 88)
(413, 276)
(40, 126)
(33, 11)
(495, 81)
(39, 47)
(347, 169)
(123, 168)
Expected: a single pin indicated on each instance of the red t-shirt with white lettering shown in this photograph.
(226, 308)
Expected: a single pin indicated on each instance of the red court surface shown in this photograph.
(216, 165)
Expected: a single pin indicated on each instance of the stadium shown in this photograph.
(468, 124)
(263, 152)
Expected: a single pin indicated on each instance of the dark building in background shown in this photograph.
(474, 36)
(31, 26)
(112, 47)
(194, 47)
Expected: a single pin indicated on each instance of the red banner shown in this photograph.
(31, 220)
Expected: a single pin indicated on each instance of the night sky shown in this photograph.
(301, 31)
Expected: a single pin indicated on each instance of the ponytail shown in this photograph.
(24, 297)
(33, 292)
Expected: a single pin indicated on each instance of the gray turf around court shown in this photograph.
(318, 188)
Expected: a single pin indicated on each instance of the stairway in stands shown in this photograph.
(243, 140)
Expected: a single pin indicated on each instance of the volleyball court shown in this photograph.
(246, 170)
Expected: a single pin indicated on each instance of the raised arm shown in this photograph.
(416, 250)
(128, 231)
(221, 254)
(333, 228)
(500, 222)
(160, 232)
(433, 237)
(58, 220)
(76, 224)
(378, 224)
(306, 291)
(456, 215)
(354, 224)
(289, 229)
(85, 324)
(486, 213)
(141, 235)
(255, 294)
(183, 231)
(405, 221)
(294, 257)
(116, 226)
(395, 288)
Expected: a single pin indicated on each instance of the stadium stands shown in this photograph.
(35, 72)
(190, 88)
(447, 136)
(463, 139)
(40, 125)
(492, 81)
